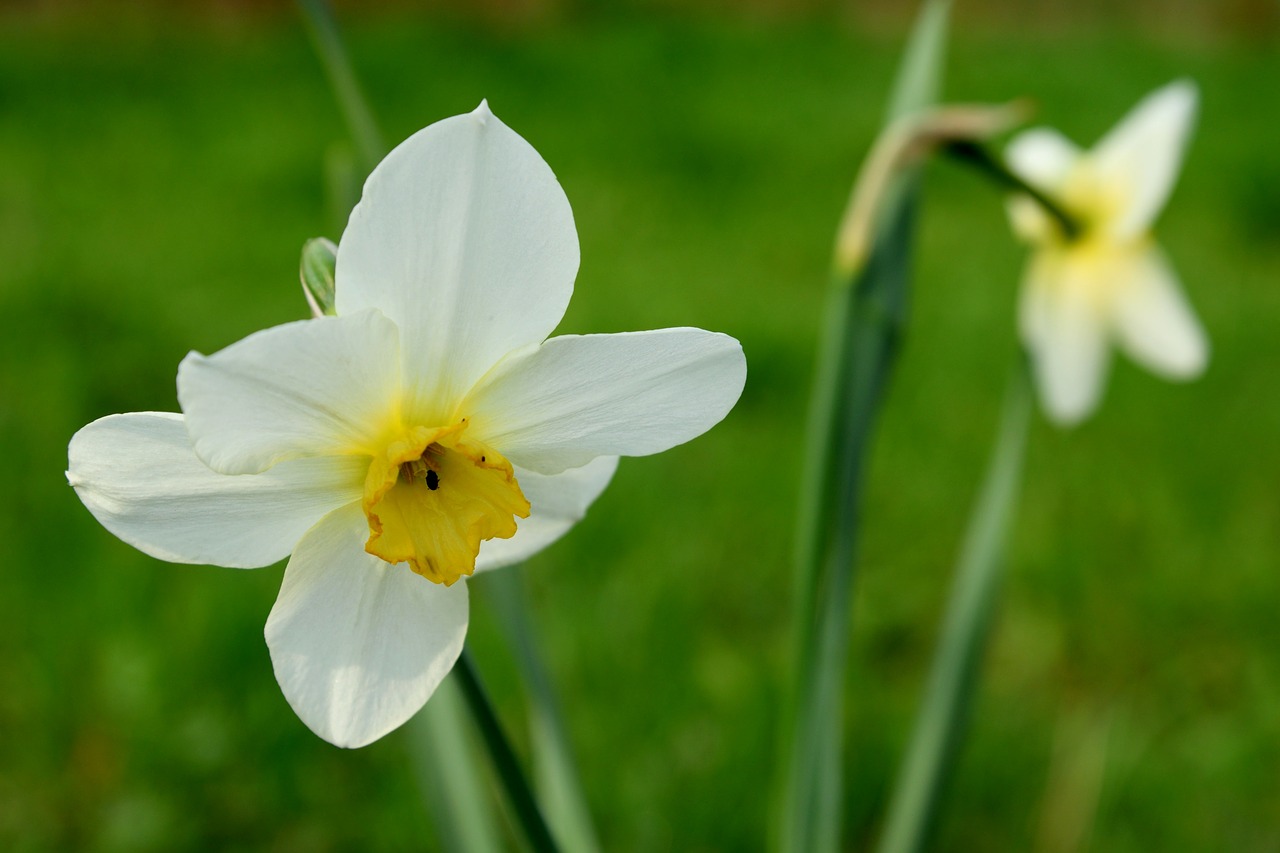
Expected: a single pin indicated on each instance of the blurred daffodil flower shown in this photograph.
(1110, 282)
(427, 431)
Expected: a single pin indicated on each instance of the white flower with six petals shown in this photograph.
(429, 430)
(1110, 282)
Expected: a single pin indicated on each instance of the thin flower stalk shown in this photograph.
(318, 15)
(504, 758)
(455, 788)
(560, 793)
(957, 661)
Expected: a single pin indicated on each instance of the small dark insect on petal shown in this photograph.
(433, 480)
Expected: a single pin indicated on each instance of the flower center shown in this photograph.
(1093, 200)
(432, 497)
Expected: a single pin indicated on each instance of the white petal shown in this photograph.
(359, 645)
(1065, 335)
(139, 477)
(1143, 154)
(632, 394)
(1154, 323)
(313, 388)
(558, 502)
(464, 237)
(1043, 158)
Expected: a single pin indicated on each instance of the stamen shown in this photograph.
(417, 469)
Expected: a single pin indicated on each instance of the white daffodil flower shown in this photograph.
(427, 431)
(1111, 281)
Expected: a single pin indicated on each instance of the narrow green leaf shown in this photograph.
(319, 259)
(559, 790)
(865, 316)
(957, 662)
(342, 183)
(456, 794)
(318, 15)
(919, 81)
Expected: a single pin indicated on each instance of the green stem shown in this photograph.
(957, 663)
(980, 158)
(333, 56)
(454, 788)
(504, 757)
(557, 783)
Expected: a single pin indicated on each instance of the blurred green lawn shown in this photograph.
(156, 183)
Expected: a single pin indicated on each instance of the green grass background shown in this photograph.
(158, 175)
